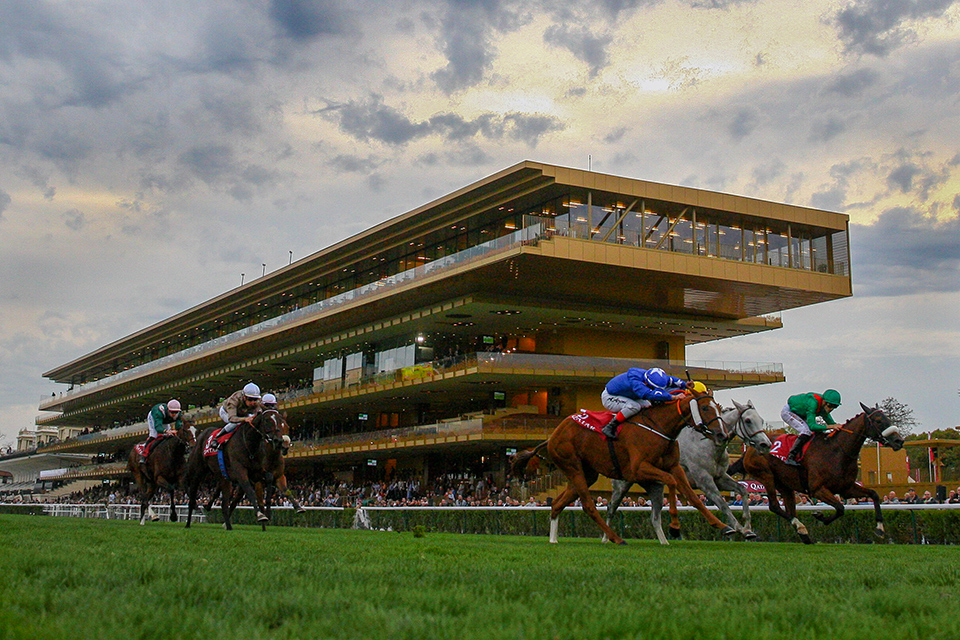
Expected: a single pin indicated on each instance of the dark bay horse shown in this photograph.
(162, 469)
(273, 479)
(241, 461)
(828, 469)
(646, 453)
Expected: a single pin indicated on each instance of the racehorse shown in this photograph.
(241, 464)
(827, 469)
(705, 462)
(273, 479)
(644, 453)
(163, 468)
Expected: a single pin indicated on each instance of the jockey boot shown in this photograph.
(797, 448)
(610, 429)
(146, 450)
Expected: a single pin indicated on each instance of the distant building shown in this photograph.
(436, 341)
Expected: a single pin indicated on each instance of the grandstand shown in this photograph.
(441, 339)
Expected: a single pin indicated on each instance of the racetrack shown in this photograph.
(78, 578)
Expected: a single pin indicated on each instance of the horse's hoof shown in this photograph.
(806, 539)
(674, 533)
(623, 542)
(750, 535)
(301, 510)
(880, 533)
(261, 517)
(155, 519)
(729, 531)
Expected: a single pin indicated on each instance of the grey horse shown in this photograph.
(705, 463)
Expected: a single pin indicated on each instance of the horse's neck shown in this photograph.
(851, 435)
(668, 419)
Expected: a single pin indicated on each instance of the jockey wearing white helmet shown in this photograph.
(241, 406)
(636, 389)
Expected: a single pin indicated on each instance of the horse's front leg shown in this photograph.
(620, 489)
(726, 483)
(285, 490)
(674, 528)
(244, 481)
(859, 491)
(683, 485)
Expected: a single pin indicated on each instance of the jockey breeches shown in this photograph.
(626, 407)
(795, 421)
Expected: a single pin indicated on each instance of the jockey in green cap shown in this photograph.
(801, 413)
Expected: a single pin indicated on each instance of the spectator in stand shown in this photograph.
(911, 497)
(953, 498)
(928, 498)
(891, 498)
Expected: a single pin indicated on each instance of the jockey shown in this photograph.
(801, 413)
(269, 401)
(634, 390)
(242, 406)
(157, 420)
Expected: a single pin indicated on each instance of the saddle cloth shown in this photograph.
(782, 445)
(141, 448)
(219, 436)
(594, 420)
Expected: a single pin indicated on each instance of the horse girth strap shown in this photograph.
(613, 457)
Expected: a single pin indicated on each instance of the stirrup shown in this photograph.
(610, 430)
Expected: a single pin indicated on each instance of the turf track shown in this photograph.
(72, 578)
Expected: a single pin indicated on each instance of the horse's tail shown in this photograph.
(737, 467)
(520, 462)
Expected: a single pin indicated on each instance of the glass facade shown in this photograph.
(594, 216)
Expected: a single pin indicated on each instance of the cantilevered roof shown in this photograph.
(523, 185)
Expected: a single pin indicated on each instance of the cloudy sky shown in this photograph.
(151, 153)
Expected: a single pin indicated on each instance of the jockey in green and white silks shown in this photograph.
(242, 406)
(801, 413)
(161, 415)
(157, 420)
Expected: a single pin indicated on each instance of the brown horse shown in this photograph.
(162, 469)
(241, 465)
(828, 469)
(645, 453)
(274, 479)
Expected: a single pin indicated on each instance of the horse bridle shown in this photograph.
(740, 428)
(697, 423)
(883, 437)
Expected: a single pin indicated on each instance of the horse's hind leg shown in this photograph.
(827, 496)
(620, 489)
(789, 511)
(655, 496)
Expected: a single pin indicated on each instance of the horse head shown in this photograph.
(188, 433)
(748, 424)
(274, 429)
(879, 429)
(705, 417)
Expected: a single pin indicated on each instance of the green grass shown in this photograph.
(74, 579)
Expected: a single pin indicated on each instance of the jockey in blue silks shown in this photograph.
(636, 389)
